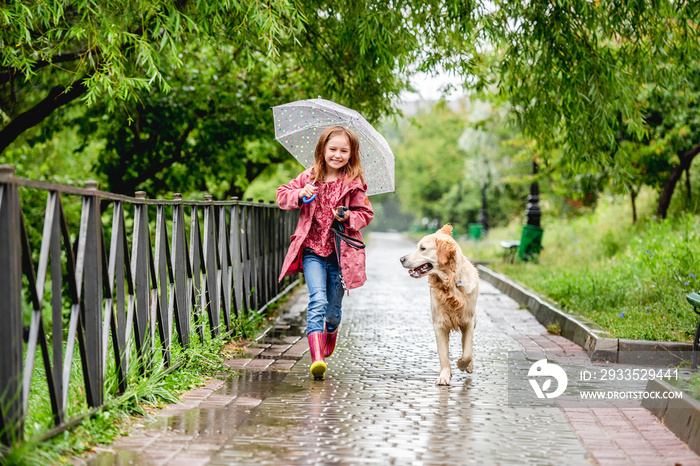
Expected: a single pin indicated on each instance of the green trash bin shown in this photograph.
(475, 230)
(530, 242)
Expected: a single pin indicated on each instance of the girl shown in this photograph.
(337, 180)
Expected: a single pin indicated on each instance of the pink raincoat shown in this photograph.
(354, 196)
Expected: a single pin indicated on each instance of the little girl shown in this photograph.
(337, 180)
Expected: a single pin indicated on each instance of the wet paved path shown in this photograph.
(379, 404)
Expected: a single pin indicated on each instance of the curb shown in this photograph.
(680, 415)
(599, 344)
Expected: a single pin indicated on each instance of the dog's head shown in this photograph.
(435, 252)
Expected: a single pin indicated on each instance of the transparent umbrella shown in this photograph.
(298, 125)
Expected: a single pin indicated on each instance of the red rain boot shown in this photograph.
(317, 349)
(330, 337)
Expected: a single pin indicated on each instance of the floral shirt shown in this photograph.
(320, 238)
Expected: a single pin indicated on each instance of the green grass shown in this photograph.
(629, 278)
(201, 361)
(692, 386)
(689, 385)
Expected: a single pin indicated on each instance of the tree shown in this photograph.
(496, 159)
(444, 162)
(211, 132)
(55, 52)
(575, 72)
(673, 140)
(430, 166)
(666, 150)
(181, 91)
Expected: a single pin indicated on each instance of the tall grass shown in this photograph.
(149, 385)
(631, 279)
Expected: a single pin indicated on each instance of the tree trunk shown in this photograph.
(633, 197)
(58, 96)
(686, 158)
(688, 189)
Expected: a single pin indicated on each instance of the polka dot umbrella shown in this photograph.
(298, 125)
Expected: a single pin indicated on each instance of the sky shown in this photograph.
(429, 86)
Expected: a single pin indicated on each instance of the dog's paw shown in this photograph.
(443, 379)
(465, 364)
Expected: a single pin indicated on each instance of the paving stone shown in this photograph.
(253, 351)
(296, 352)
(258, 364)
(216, 401)
(259, 345)
(379, 405)
(247, 401)
(282, 364)
(238, 363)
(274, 351)
(189, 460)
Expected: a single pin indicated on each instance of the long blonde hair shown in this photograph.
(353, 169)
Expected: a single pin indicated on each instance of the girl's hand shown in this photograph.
(307, 191)
(337, 217)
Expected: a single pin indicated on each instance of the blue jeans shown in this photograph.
(325, 291)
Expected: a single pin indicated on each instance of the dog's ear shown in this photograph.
(446, 229)
(446, 250)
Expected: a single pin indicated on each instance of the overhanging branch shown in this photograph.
(8, 73)
(58, 96)
(692, 152)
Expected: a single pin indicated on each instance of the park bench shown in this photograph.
(694, 300)
(510, 249)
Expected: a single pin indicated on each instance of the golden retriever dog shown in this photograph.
(454, 287)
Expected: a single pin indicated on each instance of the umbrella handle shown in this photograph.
(306, 200)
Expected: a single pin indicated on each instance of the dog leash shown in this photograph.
(340, 234)
(354, 242)
(339, 230)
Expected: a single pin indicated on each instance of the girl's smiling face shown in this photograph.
(337, 153)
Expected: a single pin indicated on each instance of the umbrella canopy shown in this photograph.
(298, 125)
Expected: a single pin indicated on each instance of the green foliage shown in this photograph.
(693, 386)
(430, 165)
(212, 133)
(446, 157)
(119, 47)
(573, 70)
(247, 326)
(265, 186)
(630, 279)
(554, 329)
(149, 388)
(587, 81)
(180, 94)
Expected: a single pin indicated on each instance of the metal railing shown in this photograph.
(150, 287)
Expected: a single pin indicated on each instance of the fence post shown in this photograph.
(140, 273)
(225, 267)
(198, 302)
(179, 261)
(91, 318)
(211, 267)
(162, 284)
(11, 419)
(236, 258)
